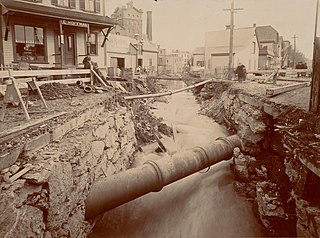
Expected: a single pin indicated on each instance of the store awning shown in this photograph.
(56, 13)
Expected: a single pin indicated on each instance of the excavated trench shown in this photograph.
(64, 156)
(201, 205)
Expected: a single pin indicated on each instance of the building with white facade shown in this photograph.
(53, 33)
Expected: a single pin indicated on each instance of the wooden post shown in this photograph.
(315, 83)
(61, 44)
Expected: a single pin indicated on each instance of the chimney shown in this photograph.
(149, 25)
(254, 24)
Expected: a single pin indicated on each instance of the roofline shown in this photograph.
(59, 13)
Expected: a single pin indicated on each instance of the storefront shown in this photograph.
(51, 36)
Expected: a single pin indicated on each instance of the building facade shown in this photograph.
(53, 33)
(126, 52)
(177, 61)
(162, 61)
(270, 47)
(216, 50)
(129, 20)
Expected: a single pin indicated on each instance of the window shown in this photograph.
(90, 5)
(64, 3)
(150, 62)
(93, 40)
(253, 47)
(33, 0)
(29, 43)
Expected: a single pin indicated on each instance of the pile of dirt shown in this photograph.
(51, 91)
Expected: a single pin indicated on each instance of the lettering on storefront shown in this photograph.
(74, 23)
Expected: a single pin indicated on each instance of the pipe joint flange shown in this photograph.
(204, 154)
(229, 142)
(159, 175)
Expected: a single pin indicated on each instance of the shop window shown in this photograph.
(93, 40)
(29, 43)
(64, 3)
(90, 5)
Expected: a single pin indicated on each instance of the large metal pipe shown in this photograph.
(152, 176)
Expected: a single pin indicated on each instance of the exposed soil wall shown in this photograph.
(278, 166)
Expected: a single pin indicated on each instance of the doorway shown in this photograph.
(69, 48)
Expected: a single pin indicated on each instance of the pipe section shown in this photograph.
(152, 176)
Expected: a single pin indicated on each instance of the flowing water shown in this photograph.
(201, 205)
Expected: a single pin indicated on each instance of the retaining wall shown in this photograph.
(48, 200)
(279, 167)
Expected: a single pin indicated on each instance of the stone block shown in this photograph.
(271, 110)
(9, 158)
(60, 185)
(29, 223)
(253, 101)
(97, 148)
(37, 143)
(8, 214)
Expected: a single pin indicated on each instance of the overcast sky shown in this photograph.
(181, 24)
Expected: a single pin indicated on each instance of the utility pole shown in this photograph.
(294, 50)
(314, 102)
(232, 11)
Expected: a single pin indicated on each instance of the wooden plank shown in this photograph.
(19, 174)
(270, 92)
(40, 93)
(100, 79)
(25, 112)
(34, 73)
(28, 124)
(294, 79)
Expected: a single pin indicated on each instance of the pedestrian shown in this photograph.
(87, 62)
(241, 72)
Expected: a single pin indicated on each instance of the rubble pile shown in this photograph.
(51, 91)
(147, 126)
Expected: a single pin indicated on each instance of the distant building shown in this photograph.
(129, 20)
(198, 58)
(162, 61)
(177, 61)
(53, 33)
(270, 47)
(126, 52)
(216, 50)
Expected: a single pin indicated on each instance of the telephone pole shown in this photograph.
(232, 11)
(294, 50)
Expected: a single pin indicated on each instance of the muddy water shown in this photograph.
(201, 205)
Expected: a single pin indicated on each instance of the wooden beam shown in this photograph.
(270, 92)
(44, 72)
(315, 84)
(21, 128)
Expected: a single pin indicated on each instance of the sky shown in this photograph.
(181, 24)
